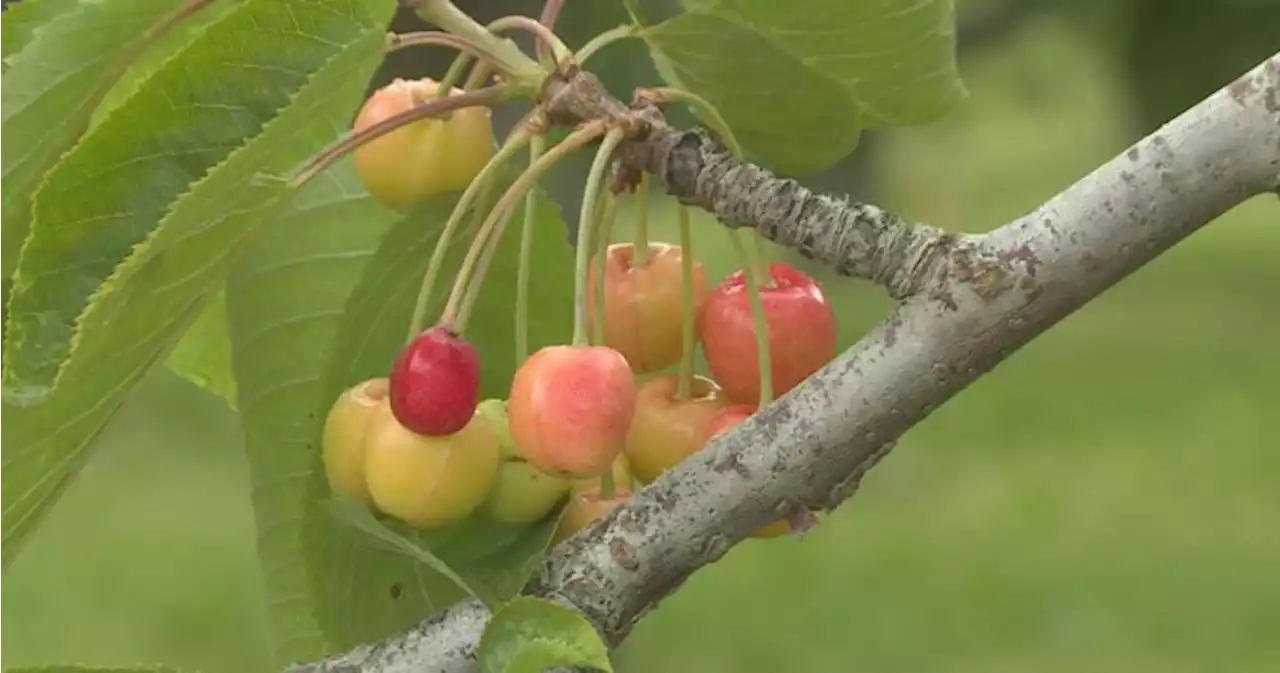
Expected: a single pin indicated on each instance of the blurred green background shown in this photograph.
(1106, 500)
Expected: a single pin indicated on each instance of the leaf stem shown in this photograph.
(604, 236)
(706, 110)
(536, 146)
(431, 108)
(603, 40)
(397, 41)
(763, 357)
(546, 37)
(522, 70)
(583, 135)
(488, 174)
(586, 224)
(640, 251)
(684, 386)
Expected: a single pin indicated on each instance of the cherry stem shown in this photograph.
(604, 236)
(550, 13)
(716, 121)
(684, 385)
(476, 281)
(397, 41)
(756, 254)
(586, 224)
(606, 483)
(430, 108)
(536, 146)
(453, 74)
(546, 38)
(763, 359)
(640, 251)
(603, 40)
(478, 74)
(514, 142)
(523, 183)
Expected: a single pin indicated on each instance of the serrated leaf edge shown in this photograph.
(119, 66)
(138, 252)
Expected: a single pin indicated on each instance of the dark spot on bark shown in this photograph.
(1133, 153)
(1159, 141)
(397, 590)
(665, 499)
(1271, 100)
(1088, 261)
(1030, 261)
(891, 329)
(730, 462)
(624, 554)
(1129, 178)
(1240, 89)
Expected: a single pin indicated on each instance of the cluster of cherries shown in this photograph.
(593, 421)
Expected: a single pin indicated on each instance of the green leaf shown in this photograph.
(284, 303)
(530, 635)
(799, 81)
(487, 559)
(322, 317)
(153, 296)
(22, 20)
(203, 355)
(107, 196)
(62, 58)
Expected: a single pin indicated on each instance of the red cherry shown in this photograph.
(435, 383)
(801, 326)
(570, 408)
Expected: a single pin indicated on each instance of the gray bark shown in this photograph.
(967, 305)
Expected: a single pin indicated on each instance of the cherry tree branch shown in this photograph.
(970, 302)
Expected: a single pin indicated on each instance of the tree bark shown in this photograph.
(967, 303)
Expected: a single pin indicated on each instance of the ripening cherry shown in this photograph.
(343, 438)
(435, 383)
(423, 159)
(643, 303)
(723, 421)
(429, 482)
(667, 429)
(585, 507)
(801, 327)
(570, 407)
(521, 493)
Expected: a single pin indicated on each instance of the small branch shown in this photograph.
(981, 298)
(855, 239)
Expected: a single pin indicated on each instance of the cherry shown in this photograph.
(643, 303)
(343, 436)
(585, 507)
(423, 159)
(435, 383)
(522, 493)
(801, 327)
(666, 429)
(570, 407)
(725, 420)
(429, 482)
